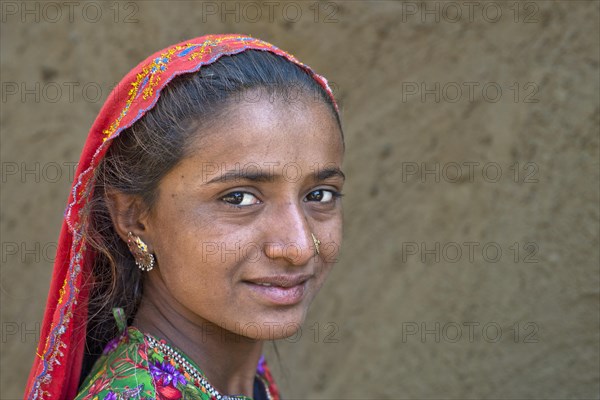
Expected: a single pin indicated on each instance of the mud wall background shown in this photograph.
(471, 261)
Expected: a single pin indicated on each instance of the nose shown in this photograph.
(289, 236)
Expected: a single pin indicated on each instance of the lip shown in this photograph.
(283, 289)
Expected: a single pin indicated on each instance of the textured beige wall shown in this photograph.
(385, 325)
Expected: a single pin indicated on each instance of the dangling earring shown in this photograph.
(143, 259)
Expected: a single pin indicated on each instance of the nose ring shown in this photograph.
(317, 243)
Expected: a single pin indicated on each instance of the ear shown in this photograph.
(127, 214)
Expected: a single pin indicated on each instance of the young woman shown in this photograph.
(204, 218)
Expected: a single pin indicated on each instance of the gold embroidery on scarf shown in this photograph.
(152, 72)
(62, 292)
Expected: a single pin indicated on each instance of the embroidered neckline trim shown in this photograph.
(195, 373)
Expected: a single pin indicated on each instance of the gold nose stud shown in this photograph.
(317, 243)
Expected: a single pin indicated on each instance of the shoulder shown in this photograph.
(131, 368)
(122, 372)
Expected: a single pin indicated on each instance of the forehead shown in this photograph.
(273, 132)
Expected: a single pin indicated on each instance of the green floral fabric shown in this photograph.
(130, 368)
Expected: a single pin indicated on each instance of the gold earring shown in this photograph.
(317, 243)
(143, 259)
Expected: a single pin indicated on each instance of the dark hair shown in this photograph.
(142, 154)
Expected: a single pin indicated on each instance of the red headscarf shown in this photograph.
(56, 370)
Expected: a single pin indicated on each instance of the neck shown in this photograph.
(227, 360)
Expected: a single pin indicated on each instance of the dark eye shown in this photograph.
(240, 199)
(322, 195)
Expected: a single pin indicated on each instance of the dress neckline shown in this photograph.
(191, 370)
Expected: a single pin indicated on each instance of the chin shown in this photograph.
(275, 325)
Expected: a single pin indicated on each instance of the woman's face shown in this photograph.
(233, 223)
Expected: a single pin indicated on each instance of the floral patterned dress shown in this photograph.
(135, 365)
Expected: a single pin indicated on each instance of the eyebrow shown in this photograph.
(330, 172)
(259, 176)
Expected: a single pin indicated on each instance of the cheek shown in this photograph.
(331, 242)
(184, 227)
(188, 250)
(332, 233)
